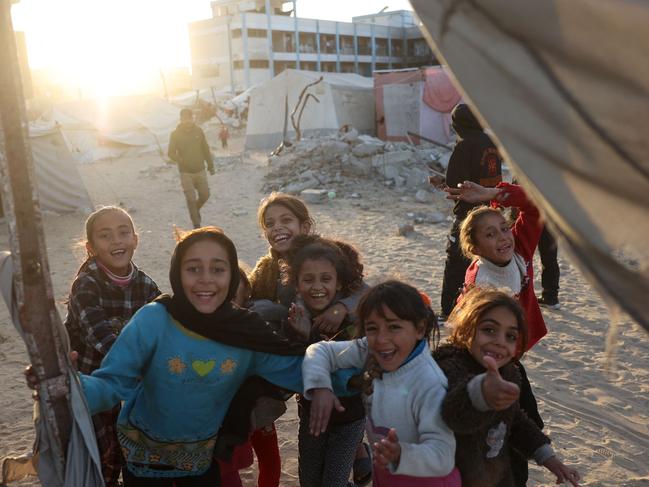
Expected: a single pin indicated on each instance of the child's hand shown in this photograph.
(471, 192)
(499, 393)
(33, 382)
(563, 473)
(329, 321)
(298, 321)
(322, 402)
(387, 451)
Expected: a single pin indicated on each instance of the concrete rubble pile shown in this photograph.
(345, 161)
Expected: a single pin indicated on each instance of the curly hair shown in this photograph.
(467, 314)
(341, 255)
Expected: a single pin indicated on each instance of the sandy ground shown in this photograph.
(597, 415)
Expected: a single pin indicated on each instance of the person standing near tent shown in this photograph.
(223, 136)
(476, 159)
(188, 148)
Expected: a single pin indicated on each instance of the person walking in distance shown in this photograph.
(188, 148)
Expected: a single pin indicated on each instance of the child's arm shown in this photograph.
(122, 367)
(529, 440)
(286, 372)
(97, 329)
(323, 358)
(527, 228)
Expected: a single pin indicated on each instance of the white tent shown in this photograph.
(344, 99)
(60, 187)
(116, 127)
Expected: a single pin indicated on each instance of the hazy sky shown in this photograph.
(92, 43)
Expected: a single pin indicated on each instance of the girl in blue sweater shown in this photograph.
(179, 362)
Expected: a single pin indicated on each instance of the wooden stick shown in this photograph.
(41, 325)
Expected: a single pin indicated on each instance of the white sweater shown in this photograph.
(408, 400)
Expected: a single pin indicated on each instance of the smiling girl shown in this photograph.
(502, 256)
(282, 218)
(404, 388)
(489, 334)
(321, 274)
(105, 294)
(180, 360)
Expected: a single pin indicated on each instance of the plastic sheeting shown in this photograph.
(83, 467)
(563, 85)
(60, 187)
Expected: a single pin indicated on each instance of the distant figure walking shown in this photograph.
(189, 149)
(223, 135)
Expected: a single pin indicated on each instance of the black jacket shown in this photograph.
(474, 158)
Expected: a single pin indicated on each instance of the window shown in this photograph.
(259, 64)
(236, 33)
(257, 33)
(210, 71)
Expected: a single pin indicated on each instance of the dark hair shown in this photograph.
(314, 247)
(404, 301)
(184, 112)
(292, 203)
(92, 218)
(467, 314)
(188, 239)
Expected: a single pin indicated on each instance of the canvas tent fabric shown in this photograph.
(344, 99)
(116, 127)
(83, 466)
(414, 100)
(60, 187)
(564, 85)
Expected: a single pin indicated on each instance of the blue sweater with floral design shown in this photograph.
(177, 387)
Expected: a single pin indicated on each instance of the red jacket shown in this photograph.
(527, 231)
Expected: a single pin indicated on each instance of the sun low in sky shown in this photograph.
(115, 47)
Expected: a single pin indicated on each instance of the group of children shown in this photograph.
(202, 365)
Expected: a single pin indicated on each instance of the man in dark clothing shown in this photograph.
(189, 149)
(474, 158)
(549, 270)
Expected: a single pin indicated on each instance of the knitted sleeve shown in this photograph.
(263, 278)
(96, 329)
(526, 437)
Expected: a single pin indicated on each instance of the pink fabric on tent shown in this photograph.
(439, 92)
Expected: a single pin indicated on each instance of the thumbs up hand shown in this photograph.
(499, 393)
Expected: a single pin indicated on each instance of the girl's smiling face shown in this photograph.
(496, 336)
(494, 239)
(317, 283)
(205, 275)
(281, 226)
(113, 241)
(390, 339)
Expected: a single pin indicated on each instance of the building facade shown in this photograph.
(248, 42)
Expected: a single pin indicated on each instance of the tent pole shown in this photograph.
(40, 321)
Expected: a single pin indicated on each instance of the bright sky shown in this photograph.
(110, 47)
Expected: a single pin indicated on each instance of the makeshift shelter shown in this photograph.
(344, 99)
(60, 188)
(570, 117)
(116, 127)
(416, 100)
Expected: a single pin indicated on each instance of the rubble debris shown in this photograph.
(343, 160)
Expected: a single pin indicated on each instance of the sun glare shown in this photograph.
(102, 48)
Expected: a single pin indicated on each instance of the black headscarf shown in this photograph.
(229, 324)
(464, 121)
